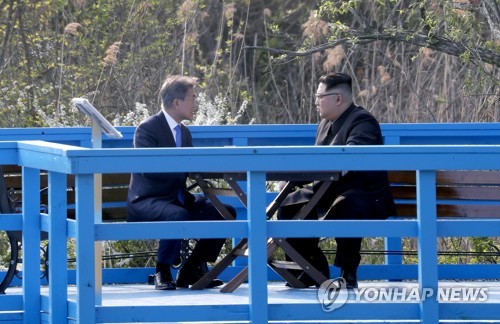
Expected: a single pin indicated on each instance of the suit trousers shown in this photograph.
(206, 249)
(347, 256)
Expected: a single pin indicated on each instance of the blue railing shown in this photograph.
(272, 135)
(60, 160)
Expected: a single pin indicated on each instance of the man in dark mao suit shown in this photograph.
(357, 194)
(163, 196)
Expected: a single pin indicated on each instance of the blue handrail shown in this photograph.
(61, 159)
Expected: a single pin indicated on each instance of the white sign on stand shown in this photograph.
(99, 125)
(88, 109)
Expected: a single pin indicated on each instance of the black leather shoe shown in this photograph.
(215, 283)
(308, 281)
(190, 277)
(163, 281)
(318, 261)
(350, 277)
(202, 269)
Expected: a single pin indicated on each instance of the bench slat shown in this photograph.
(451, 193)
(479, 177)
(472, 211)
(452, 187)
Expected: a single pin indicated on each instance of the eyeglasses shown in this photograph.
(321, 95)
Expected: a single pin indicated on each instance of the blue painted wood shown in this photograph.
(11, 222)
(216, 313)
(342, 228)
(257, 239)
(363, 311)
(427, 243)
(57, 248)
(56, 157)
(8, 152)
(11, 303)
(271, 135)
(452, 311)
(12, 318)
(470, 311)
(85, 275)
(365, 272)
(392, 243)
(31, 244)
(152, 230)
(470, 227)
(256, 160)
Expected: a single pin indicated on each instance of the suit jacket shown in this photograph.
(150, 193)
(355, 126)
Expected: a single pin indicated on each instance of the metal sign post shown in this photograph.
(99, 125)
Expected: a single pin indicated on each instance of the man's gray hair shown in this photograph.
(175, 87)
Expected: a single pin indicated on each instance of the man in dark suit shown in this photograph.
(357, 194)
(163, 196)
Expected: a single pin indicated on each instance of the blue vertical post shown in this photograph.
(240, 141)
(85, 252)
(58, 294)
(427, 243)
(31, 245)
(97, 214)
(257, 243)
(393, 243)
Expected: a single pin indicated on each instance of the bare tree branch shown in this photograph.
(436, 43)
(491, 10)
(488, 8)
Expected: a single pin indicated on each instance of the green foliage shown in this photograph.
(4, 251)
(129, 254)
(121, 51)
(457, 250)
(488, 249)
(44, 65)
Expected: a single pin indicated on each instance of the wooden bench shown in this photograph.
(459, 193)
(114, 192)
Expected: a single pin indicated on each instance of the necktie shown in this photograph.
(178, 135)
(178, 143)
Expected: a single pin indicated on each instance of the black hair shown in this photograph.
(335, 79)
